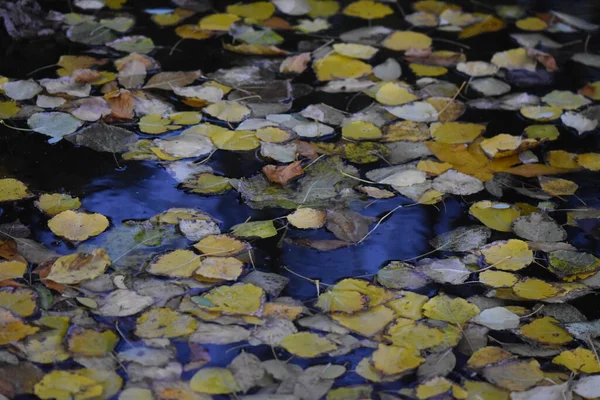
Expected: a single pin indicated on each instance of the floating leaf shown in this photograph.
(498, 216)
(261, 229)
(336, 66)
(77, 226)
(67, 385)
(164, 323)
(214, 381)
(13, 189)
(13, 328)
(54, 124)
(91, 343)
(74, 268)
(578, 360)
(307, 345)
(55, 203)
(546, 330)
(507, 255)
(453, 310)
(392, 360)
(178, 263)
(367, 9)
(240, 299)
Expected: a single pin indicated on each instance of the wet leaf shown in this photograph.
(13, 189)
(307, 345)
(55, 203)
(74, 268)
(164, 323)
(453, 310)
(54, 124)
(78, 226)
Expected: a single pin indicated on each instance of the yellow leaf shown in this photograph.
(557, 186)
(433, 387)
(229, 111)
(92, 343)
(221, 245)
(392, 94)
(214, 381)
(392, 360)
(535, 289)
(156, 124)
(167, 19)
(65, 385)
(355, 50)
(347, 301)
(488, 355)
(489, 23)
(307, 218)
(192, 32)
(8, 109)
(456, 132)
(56, 203)
(273, 134)
(239, 299)
(498, 216)
(368, 322)
(561, 159)
(207, 183)
(533, 24)
(541, 113)
(532, 170)
(517, 375)
(405, 332)
(546, 330)
(217, 22)
(455, 311)
(46, 347)
(336, 66)
(20, 301)
(110, 381)
(507, 255)
(447, 108)
(219, 268)
(12, 269)
(164, 323)
(409, 305)
(377, 295)
(257, 49)
(504, 145)
(548, 132)
(307, 345)
(360, 130)
(174, 215)
(323, 8)
(77, 226)
(589, 161)
(498, 279)
(434, 6)
(578, 360)
(281, 310)
(356, 392)
(12, 328)
(12, 189)
(427, 70)
(74, 268)
(367, 9)
(186, 117)
(404, 40)
(406, 131)
(259, 10)
(482, 390)
(433, 167)
(176, 264)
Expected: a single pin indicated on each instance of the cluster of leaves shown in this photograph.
(177, 277)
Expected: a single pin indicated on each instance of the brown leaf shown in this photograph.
(284, 173)
(8, 251)
(323, 245)
(85, 75)
(304, 149)
(295, 64)
(121, 104)
(277, 23)
(348, 225)
(547, 60)
(169, 80)
(588, 91)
